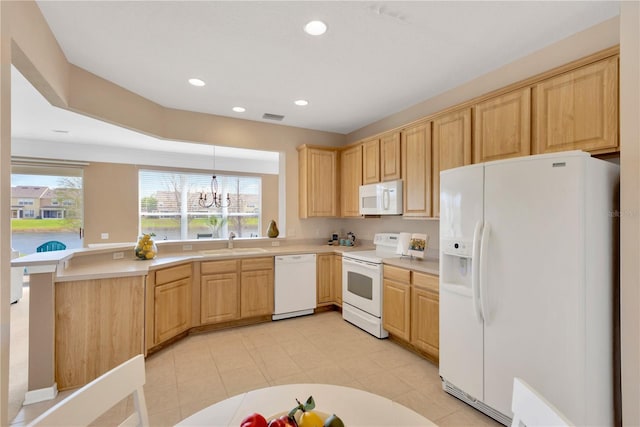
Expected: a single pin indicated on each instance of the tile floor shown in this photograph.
(205, 368)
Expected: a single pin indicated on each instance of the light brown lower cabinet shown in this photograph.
(98, 325)
(324, 279)
(235, 289)
(410, 309)
(329, 279)
(425, 314)
(396, 302)
(337, 279)
(256, 287)
(219, 291)
(172, 302)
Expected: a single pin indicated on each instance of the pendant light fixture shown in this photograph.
(216, 199)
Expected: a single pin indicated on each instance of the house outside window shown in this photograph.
(169, 205)
(25, 202)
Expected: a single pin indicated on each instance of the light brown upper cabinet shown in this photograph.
(451, 147)
(381, 158)
(416, 170)
(351, 180)
(503, 127)
(390, 156)
(578, 110)
(318, 181)
(371, 161)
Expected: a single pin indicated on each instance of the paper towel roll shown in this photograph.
(403, 244)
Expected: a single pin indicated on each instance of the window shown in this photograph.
(169, 205)
(46, 204)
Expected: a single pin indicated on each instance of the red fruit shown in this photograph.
(283, 421)
(254, 420)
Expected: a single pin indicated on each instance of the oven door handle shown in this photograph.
(359, 262)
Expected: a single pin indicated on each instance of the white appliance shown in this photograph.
(295, 286)
(362, 284)
(526, 281)
(383, 198)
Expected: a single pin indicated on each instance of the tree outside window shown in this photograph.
(169, 205)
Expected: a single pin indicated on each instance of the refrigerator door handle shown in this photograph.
(484, 247)
(475, 270)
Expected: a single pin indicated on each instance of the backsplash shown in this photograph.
(365, 228)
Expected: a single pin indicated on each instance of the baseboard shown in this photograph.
(40, 395)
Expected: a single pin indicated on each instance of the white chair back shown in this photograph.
(533, 410)
(86, 404)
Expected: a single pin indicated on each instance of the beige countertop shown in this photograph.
(98, 263)
(426, 265)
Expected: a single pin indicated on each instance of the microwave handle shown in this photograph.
(385, 199)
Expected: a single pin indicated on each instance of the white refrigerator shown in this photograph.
(526, 283)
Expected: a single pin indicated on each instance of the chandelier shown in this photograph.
(216, 199)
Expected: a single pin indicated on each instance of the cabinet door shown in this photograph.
(425, 312)
(318, 182)
(416, 170)
(220, 300)
(337, 279)
(351, 180)
(451, 148)
(395, 308)
(390, 157)
(578, 110)
(172, 309)
(324, 264)
(256, 293)
(503, 127)
(371, 161)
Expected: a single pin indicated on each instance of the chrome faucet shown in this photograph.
(232, 235)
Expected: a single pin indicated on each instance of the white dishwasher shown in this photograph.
(295, 286)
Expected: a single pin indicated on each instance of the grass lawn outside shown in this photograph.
(43, 225)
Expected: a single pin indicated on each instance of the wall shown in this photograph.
(630, 210)
(111, 202)
(582, 44)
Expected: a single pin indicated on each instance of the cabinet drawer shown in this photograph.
(172, 274)
(397, 274)
(426, 281)
(257, 264)
(209, 267)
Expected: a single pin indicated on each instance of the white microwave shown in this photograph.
(384, 198)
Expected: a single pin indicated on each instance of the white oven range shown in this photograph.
(362, 284)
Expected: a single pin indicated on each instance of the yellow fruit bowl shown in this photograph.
(146, 248)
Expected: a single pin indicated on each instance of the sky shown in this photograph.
(34, 180)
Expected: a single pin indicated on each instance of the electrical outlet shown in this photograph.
(104, 236)
(187, 247)
(276, 243)
(118, 255)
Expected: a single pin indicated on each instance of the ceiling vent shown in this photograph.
(270, 116)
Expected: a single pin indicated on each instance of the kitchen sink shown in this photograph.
(233, 251)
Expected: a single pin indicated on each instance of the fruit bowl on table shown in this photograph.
(298, 415)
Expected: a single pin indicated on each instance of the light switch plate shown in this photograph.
(187, 247)
(104, 236)
(118, 255)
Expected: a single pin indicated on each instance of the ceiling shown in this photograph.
(376, 58)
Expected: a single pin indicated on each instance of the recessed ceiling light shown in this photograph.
(197, 82)
(301, 102)
(315, 28)
(239, 109)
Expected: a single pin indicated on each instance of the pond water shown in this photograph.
(27, 243)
